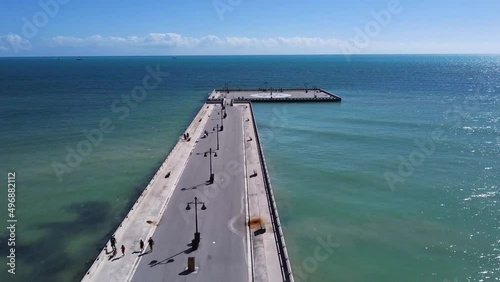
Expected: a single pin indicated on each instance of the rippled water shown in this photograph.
(401, 177)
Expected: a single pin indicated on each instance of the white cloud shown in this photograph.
(173, 43)
(14, 42)
(152, 39)
(210, 42)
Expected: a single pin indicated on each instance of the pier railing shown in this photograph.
(286, 269)
(332, 97)
(288, 99)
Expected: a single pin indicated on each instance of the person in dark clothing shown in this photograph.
(113, 242)
(151, 243)
(141, 245)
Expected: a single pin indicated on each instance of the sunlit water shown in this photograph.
(402, 177)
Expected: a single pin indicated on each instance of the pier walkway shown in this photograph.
(275, 95)
(222, 254)
(223, 166)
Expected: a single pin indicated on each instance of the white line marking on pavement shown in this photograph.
(153, 229)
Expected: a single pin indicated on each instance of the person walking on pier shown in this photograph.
(141, 245)
(123, 250)
(151, 243)
(113, 242)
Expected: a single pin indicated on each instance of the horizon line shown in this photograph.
(227, 55)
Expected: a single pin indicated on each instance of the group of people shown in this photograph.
(141, 245)
(113, 246)
(186, 136)
(150, 243)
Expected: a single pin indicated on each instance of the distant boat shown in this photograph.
(79, 59)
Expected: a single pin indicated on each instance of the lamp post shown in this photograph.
(197, 237)
(222, 117)
(218, 129)
(211, 179)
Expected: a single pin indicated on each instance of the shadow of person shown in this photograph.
(145, 253)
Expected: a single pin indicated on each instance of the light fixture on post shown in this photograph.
(195, 243)
(210, 152)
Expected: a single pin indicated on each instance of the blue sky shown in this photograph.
(167, 27)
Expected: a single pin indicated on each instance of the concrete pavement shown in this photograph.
(264, 247)
(222, 255)
(275, 95)
(141, 220)
(230, 249)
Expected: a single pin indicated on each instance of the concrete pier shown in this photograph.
(274, 95)
(221, 167)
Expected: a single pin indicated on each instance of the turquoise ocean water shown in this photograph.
(402, 177)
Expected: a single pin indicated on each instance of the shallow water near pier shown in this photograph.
(367, 175)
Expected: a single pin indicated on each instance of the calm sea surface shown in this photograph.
(401, 178)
